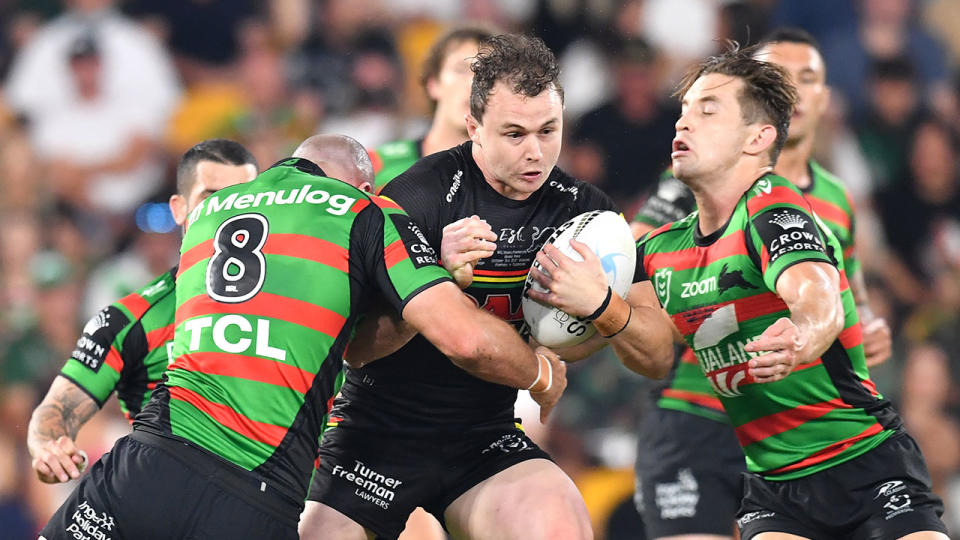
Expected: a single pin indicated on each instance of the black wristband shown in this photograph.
(629, 315)
(603, 307)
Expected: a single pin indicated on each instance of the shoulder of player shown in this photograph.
(771, 190)
(562, 185)
(136, 304)
(431, 176)
(681, 226)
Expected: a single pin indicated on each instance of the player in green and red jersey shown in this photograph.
(126, 346)
(446, 81)
(273, 277)
(686, 434)
(757, 288)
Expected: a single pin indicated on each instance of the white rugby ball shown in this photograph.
(609, 237)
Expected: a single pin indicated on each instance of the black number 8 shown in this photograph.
(235, 272)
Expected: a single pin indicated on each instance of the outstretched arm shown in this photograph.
(53, 429)
(811, 291)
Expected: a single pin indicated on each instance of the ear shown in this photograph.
(178, 207)
(366, 186)
(431, 88)
(473, 128)
(760, 140)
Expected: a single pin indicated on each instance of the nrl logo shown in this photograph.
(787, 220)
(661, 281)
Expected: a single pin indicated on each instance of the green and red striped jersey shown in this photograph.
(720, 291)
(126, 347)
(392, 158)
(273, 276)
(685, 389)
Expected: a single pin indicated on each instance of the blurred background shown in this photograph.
(100, 98)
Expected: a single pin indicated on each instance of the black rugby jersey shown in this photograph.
(418, 388)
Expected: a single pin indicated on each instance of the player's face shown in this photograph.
(518, 143)
(210, 177)
(808, 74)
(451, 88)
(711, 131)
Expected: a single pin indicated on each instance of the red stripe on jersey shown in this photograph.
(135, 304)
(829, 211)
(659, 230)
(848, 252)
(872, 388)
(497, 273)
(852, 336)
(309, 248)
(114, 359)
(777, 423)
(808, 365)
(747, 308)
(252, 368)
(157, 337)
(194, 255)
(688, 356)
(697, 257)
(384, 202)
(394, 253)
(268, 305)
(231, 419)
(777, 195)
(359, 205)
(703, 400)
(828, 452)
(376, 160)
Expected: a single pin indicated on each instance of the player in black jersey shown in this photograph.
(124, 348)
(451, 441)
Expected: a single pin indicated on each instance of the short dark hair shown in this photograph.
(217, 150)
(767, 94)
(433, 63)
(790, 34)
(523, 62)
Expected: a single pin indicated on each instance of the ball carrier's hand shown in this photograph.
(781, 342)
(551, 380)
(465, 242)
(574, 287)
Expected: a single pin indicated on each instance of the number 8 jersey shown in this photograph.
(273, 275)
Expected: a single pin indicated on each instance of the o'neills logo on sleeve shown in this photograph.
(338, 205)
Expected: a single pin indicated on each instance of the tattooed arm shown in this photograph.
(53, 428)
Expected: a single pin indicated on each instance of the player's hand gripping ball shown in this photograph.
(609, 237)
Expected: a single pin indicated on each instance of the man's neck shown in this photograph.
(441, 137)
(717, 197)
(794, 161)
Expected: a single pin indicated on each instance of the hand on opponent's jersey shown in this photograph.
(550, 382)
(781, 343)
(465, 242)
(576, 287)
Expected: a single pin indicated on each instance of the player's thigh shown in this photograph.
(318, 522)
(925, 535)
(530, 500)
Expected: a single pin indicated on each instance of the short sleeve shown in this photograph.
(96, 361)
(397, 256)
(784, 232)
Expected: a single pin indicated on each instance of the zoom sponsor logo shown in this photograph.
(696, 288)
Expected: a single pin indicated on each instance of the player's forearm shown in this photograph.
(640, 336)
(496, 353)
(64, 410)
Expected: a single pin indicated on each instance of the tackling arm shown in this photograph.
(53, 428)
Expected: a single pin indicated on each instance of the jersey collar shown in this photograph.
(301, 164)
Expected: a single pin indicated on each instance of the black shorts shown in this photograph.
(882, 494)
(141, 490)
(689, 475)
(378, 480)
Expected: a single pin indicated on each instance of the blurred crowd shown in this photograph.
(100, 98)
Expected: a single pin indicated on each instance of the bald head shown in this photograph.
(339, 156)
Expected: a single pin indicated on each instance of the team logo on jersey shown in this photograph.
(97, 337)
(97, 322)
(763, 187)
(661, 281)
(728, 280)
(455, 187)
(787, 220)
(419, 249)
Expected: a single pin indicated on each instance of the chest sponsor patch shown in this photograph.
(97, 337)
(787, 230)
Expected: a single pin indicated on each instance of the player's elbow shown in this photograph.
(462, 348)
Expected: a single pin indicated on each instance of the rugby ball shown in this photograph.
(609, 236)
